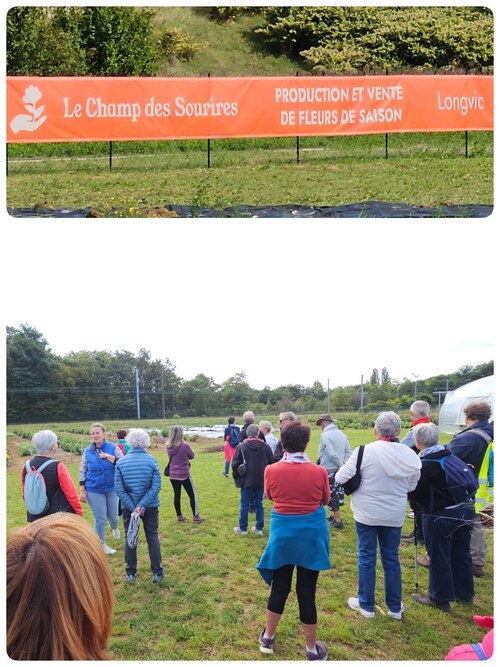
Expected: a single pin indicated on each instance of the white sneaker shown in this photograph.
(397, 615)
(116, 533)
(254, 530)
(108, 550)
(238, 531)
(354, 604)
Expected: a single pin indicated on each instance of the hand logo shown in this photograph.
(31, 121)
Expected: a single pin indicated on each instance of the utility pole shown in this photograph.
(362, 396)
(137, 393)
(162, 394)
(416, 384)
(328, 396)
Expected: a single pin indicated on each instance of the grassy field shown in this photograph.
(211, 604)
(422, 171)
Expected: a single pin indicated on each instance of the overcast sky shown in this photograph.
(283, 301)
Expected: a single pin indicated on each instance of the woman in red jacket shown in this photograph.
(61, 491)
(299, 537)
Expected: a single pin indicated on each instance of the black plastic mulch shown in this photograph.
(372, 209)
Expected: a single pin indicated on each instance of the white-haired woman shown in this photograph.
(61, 491)
(138, 483)
(179, 456)
(447, 527)
(389, 470)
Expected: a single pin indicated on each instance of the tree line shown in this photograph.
(128, 41)
(45, 387)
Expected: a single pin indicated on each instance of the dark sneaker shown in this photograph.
(468, 601)
(181, 518)
(225, 474)
(322, 652)
(336, 524)
(131, 577)
(266, 644)
(478, 570)
(426, 600)
(158, 577)
(197, 518)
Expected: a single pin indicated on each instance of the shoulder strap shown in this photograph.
(40, 468)
(243, 453)
(360, 457)
(479, 651)
(479, 431)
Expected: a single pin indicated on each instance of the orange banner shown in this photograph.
(52, 109)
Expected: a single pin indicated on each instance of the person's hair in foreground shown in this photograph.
(59, 591)
(427, 435)
(388, 425)
(478, 411)
(295, 437)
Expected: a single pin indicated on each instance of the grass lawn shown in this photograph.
(338, 171)
(211, 604)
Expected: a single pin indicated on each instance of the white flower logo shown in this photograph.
(32, 120)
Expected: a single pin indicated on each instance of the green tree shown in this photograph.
(119, 41)
(33, 377)
(44, 42)
(374, 378)
(77, 41)
(199, 396)
(236, 394)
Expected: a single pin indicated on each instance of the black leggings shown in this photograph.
(305, 589)
(177, 485)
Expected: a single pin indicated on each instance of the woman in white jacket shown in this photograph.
(389, 470)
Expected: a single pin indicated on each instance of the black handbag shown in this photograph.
(166, 472)
(353, 484)
(241, 470)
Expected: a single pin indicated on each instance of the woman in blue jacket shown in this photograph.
(97, 483)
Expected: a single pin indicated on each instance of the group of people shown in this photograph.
(116, 478)
(392, 472)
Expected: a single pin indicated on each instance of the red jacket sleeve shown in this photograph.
(68, 488)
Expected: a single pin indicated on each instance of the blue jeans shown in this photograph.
(252, 496)
(104, 506)
(226, 467)
(388, 539)
(447, 536)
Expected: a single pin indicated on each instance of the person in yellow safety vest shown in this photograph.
(484, 495)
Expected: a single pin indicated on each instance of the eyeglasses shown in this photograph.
(284, 420)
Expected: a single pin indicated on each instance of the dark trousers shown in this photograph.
(305, 589)
(417, 513)
(177, 485)
(150, 525)
(447, 540)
